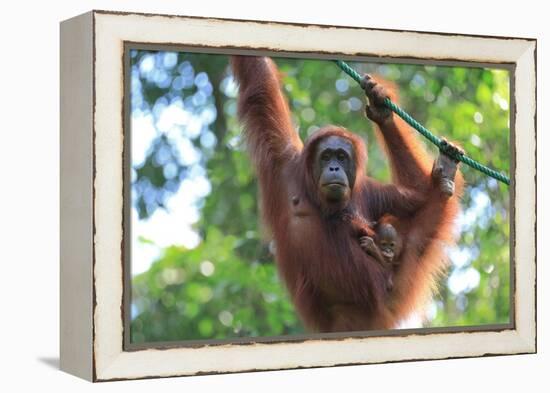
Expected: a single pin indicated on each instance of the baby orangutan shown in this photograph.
(385, 240)
(385, 246)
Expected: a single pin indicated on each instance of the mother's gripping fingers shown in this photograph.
(447, 187)
(379, 94)
(366, 82)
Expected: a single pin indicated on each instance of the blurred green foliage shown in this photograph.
(227, 285)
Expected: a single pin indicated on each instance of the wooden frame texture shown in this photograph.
(93, 116)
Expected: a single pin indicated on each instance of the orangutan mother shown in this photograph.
(314, 197)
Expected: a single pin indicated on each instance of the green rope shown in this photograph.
(440, 143)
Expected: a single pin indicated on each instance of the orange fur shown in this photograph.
(336, 286)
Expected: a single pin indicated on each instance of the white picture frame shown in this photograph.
(92, 194)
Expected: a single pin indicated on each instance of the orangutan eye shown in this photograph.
(341, 156)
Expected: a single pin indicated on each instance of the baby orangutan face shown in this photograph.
(389, 241)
